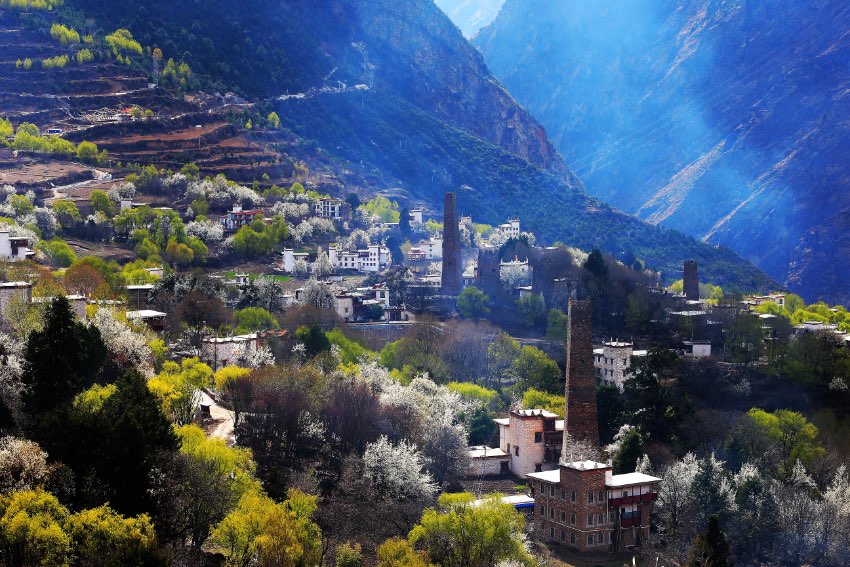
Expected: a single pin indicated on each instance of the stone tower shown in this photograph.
(691, 282)
(452, 279)
(580, 420)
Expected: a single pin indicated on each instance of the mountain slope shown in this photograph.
(471, 15)
(723, 119)
(417, 114)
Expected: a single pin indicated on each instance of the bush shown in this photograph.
(61, 255)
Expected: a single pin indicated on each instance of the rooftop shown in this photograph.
(630, 479)
(533, 413)
(144, 314)
(482, 452)
(553, 476)
(15, 284)
(586, 465)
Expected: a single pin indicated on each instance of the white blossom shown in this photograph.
(253, 357)
(23, 465)
(397, 470)
(122, 342)
(208, 231)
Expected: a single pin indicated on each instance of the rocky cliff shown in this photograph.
(724, 119)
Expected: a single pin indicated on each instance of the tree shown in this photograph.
(502, 352)
(472, 303)
(61, 255)
(637, 313)
(273, 120)
(397, 471)
(264, 533)
(253, 319)
(60, 360)
(533, 369)
(446, 449)
(314, 339)
(86, 280)
(648, 395)
(31, 530)
(348, 555)
(463, 533)
(322, 267)
(397, 552)
(67, 213)
(23, 465)
(103, 538)
(178, 388)
(710, 549)
(100, 202)
(197, 311)
(536, 399)
(533, 309)
(201, 485)
(792, 433)
(630, 450)
(556, 325)
(178, 254)
(318, 294)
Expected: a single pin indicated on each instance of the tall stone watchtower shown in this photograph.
(691, 281)
(580, 421)
(452, 278)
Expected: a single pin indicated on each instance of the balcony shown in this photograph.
(634, 499)
(629, 520)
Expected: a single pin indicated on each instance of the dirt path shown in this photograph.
(221, 425)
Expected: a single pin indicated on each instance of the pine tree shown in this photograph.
(711, 548)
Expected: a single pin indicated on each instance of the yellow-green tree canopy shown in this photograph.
(462, 533)
(792, 433)
(536, 399)
(178, 387)
(397, 552)
(263, 532)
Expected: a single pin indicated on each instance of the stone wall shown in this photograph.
(452, 277)
(691, 281)
(581, 412)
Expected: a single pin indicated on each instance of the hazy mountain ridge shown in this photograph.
(471, 15)
(721, 119)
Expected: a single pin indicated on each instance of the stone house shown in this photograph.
(532, 438)
(612, 361)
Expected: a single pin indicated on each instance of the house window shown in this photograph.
(563, 535)
(589, 520)
(516, 451)
(601, 496)
(601, 519)
(551, 513)
(573, 496)
(552, 533)
(538, 436)
(573, 519)
(543, 511)
(573, 538)
(552, 491)
(538, 467)
(625, 493)
(590, 540)
(563, 516)
(563, 494)
(590, 497)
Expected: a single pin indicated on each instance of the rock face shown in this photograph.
(580, 421)
(725, 120)
(471, 15)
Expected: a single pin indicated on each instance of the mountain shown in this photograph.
(376, 96)
(723, 119)
(471, 15)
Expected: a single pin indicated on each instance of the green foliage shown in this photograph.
(253, 241)
(710, 549)
(84, 56)
(64, 34)
(56, 62)
(648, 394)
(536, 399)
(60, 254)
(103, 537)
(533, 309)
(229, 375)
(100, 201)
(397, 552)
(265, 533)
(87, 151)
(792, 433)
(62, 359)
(32, 530)
(67, 213)
(382, 208)
(20, 204)
(472, 303)
(348, 555)
(556, 325)
(178, 387)
(350, 350)
(461, 533)
(253, 319)
(314, 339)
(30, 4)
(273, 120)
(630, 450)
(533, 369)
(177, 75)
(6, 130)
(122, 43)
(474, 392)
